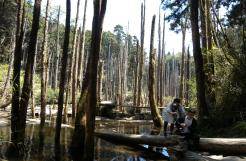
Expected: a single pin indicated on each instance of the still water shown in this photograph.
(104, 151)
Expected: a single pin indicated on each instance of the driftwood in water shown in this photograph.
(127, 139)
(219, 145)
(223, 145)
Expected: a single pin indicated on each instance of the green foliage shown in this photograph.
(239, 129)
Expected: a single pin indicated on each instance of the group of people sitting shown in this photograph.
(181, 122)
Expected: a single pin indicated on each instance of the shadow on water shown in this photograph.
(104, 151)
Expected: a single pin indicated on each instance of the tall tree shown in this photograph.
(200, 83)
(159, 64)
(83, 136)
(181, 86)
(152, 100)
(141, 56)
(25, 95)
(44, 69)
(63, 76)
(82, 49)
(16, 72)
(57, 56)
(72, 62)
(187, 89)
(163, 68)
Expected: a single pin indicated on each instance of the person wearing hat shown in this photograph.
(171, 113)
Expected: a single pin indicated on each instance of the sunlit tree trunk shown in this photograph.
(154, 109)
(83, 139)
(181, 86)
(136, 75)
(29, 67)
(99, 81)
(141, 56)
(44, 69)
(72, 58)
(57, 56)
(163, 65)
(159, 64)
(82, 49)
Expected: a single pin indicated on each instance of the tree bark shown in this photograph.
(82, 49)
(72, 59)
(187, 89)
(181, 86)
(141, 56)
(131, 139)
(200, 83)
(83, 136)
(63, 76)
(44, 70)
(136, 75)
(99, 81)
(163, 62)
(57, 56)
(154, 110)
(25, 95)
(74, 74)
(15, 126)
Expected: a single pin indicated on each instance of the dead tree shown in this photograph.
(141, 56)
(163, 68)
(83, 136)
(44, 69)
(26, 89)
(82, 50)
(181, 86)
(63, 75)
(152, 99)
(57, 56)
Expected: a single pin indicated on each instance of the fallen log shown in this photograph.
(217, 145)
(223, 145)
(126, 139)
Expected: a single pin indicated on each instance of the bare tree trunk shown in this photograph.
(154, 110)
(187, 78)
(57, 56)
(99, 81)
(159, 64)
(82, 49)
(181, 86)
(83, 137)
(163, 66)
(15, 124)
(136, 76)
(44, 77)
(141, 57)
(200, 83)
(63, 76)
(29, 68)
(72, 55)
(74, 79)
(32, 85)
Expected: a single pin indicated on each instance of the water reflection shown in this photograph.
(104, 151)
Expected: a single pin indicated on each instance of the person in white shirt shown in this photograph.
(171, 113)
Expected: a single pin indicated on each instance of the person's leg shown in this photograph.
(165, 128)
(171, 128)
